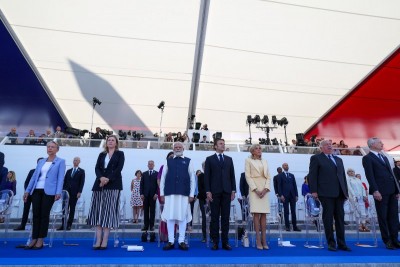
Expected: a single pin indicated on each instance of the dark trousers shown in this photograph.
(25, 214)
(333, 208)
(149, 207)
(202, 202)
(292, 202)
(191, 209)
(388, 219)
(220, 206)
(41, 207)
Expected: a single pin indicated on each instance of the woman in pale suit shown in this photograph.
(258, 179)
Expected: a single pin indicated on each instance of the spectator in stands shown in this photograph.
(30, 138)
(357, 151)
(169, 138)
(178, 137)
(276, 181)
(244, 192)
(58, 133)
(13, 136)
(28, 202)
(396, 169)
(97, 136)
(45, 187)
(106, 192)
(41, 140)
(346, 151)
(204, 139)
(204, 127)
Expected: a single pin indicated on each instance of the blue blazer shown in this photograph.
(54, 179)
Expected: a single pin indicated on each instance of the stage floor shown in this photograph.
(81, 253)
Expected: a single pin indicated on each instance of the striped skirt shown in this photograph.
(104, 209)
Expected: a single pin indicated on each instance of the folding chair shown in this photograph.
(6, 200)
(59, 210)
(122, 220)
(371, 216)
(313, 215)
(80, 211)
(233, 220)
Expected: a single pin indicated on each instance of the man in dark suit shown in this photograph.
(327, 181)
(1, 160)
(74, 180)
(244, 192)
(287, 190)
(220, 185)
(27, 203)
(148, 193)
(276, 181)
(385, 190)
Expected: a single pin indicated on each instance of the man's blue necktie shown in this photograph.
(331, 158)
(221, 159)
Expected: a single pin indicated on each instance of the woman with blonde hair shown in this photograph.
(104, 209)
(258, 179)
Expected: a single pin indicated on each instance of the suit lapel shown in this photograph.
(53, 163)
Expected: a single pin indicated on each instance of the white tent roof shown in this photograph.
(292, 59)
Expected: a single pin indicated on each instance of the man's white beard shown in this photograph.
(178, 153)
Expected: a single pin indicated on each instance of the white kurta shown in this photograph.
(177, 207)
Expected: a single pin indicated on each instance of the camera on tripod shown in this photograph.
(96, 101)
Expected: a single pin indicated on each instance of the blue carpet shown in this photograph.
(197, 254)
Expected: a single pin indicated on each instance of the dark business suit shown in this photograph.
(244, 191)
(329, 180)
(380, 178)
(148, 188)
(201, 195)
(287, 187)
(219, 179)
(74, 185)
(1, 160)
(27, 203)
(396, 171)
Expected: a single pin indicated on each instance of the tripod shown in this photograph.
(94, 103)
(162, 112)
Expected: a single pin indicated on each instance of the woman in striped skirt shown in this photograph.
(104, 208)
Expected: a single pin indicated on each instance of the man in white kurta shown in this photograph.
(177, 193)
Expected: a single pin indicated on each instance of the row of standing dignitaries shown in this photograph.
(327, 181)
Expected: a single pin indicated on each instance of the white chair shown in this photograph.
(371, 216)
(80, 211)
(233, 220)
(6, 200)
(60, 210)
(16, 206)
(313, 215)
(122, 224)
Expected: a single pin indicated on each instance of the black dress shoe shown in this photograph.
(37, 248)
(344, 248)
(183, 246)
(389, 245)
(68, 228)
(226, 246)
(61, 228)
(332, 248)
(168, 246)
(287, 229)
(296, 229)
(96, 248)
(19, 228)
(214, 247)
(396, 244)
(144, 228)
